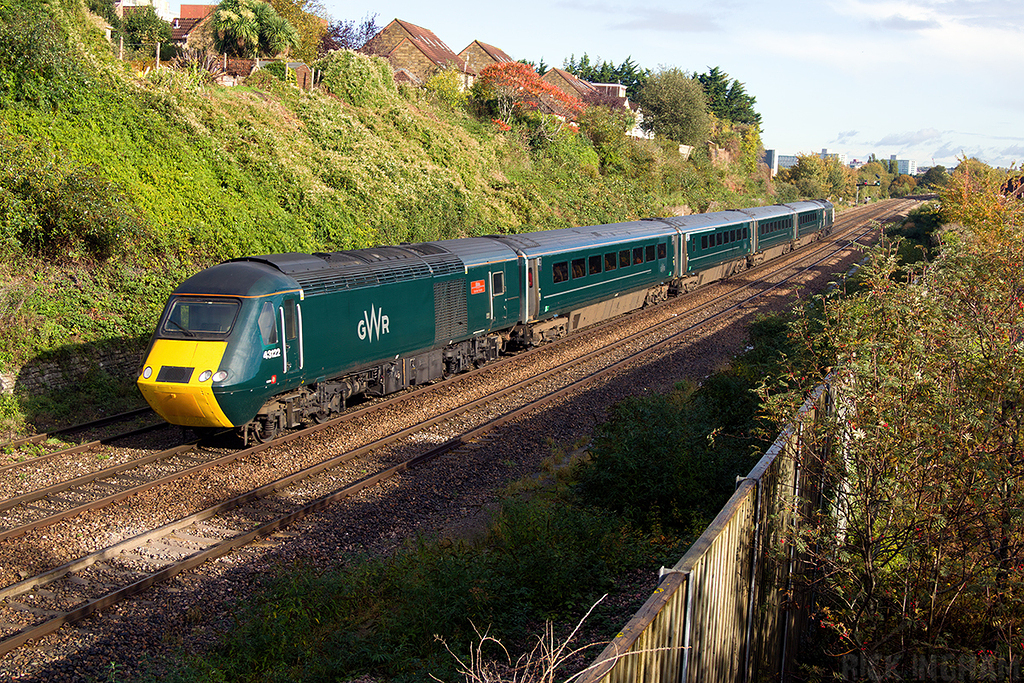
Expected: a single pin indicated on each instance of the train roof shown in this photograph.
(760, 213)
(810, 205)
(534, 244)
(700, 222)
(476, 251)
(236, 278)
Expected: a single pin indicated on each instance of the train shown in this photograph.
(261, 344)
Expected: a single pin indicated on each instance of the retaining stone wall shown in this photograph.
(120, 361)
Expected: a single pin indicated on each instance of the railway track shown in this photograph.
(42, 603)
(18, 449)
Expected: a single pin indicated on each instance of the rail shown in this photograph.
(727, 610)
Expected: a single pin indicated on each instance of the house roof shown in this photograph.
(495, 53)
(182, 26)
(580, 87)
(425, 41)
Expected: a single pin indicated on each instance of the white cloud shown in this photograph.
(911, 138)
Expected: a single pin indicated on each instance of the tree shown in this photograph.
(627, 73)
(142, 27)
(920, 548)
(348, 34)
(606, 128)
(935, 177)
(310, 20)
(252, 29)
(674, 106)
(902, 185)
(515, 88)
(728, 100)
(815, 177)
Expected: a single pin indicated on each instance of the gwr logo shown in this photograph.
(373, 324)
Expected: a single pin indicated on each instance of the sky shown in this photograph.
(932, 81)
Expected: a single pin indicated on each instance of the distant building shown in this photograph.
(905, 166)
(841, 158)
(162, 7)
(788, 161)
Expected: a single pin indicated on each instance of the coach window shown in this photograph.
(703, 241)
(662, 250)
(624, 258)
(609, 261)
(497, 283)
(638, 255)
(289, 319)
(746, 234)
(649, 256)
(560, 271)
(579, 268)
(594, 264)
(718, 239)
(267, 324)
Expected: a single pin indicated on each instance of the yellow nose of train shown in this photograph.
(176, 384)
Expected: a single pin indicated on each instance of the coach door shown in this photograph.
(499, 307)
(290, 321)
(532, 301)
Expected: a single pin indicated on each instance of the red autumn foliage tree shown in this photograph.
(516, 88)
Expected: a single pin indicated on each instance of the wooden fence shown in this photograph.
(729, 609)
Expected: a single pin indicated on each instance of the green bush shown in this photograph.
(277, 69)
(62, 212)
(446, 88)
(671, 461)
(359, 80)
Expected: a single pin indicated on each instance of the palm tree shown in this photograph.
(250, 28)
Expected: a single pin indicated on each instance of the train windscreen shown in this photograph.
(200, 318)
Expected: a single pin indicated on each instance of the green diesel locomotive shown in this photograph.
(263, 343)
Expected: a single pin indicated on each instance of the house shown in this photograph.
(189, 29)
(415, 53)
(161, 7)
(610, 94)
(570, 84)
(477, 56)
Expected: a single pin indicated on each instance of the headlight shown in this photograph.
(220, 376)
(147, 373)
(205, 375)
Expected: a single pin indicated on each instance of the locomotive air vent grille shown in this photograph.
(449, 310)
(170, 373)
(401, 272)
(325, 282)
(444, 264)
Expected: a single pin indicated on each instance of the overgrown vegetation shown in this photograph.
(670, 462)
(920, 548)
